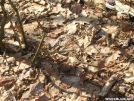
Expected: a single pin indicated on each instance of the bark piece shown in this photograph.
(108, 85)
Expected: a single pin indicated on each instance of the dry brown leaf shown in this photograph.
(20, 65)
(42, 97)
(26, 74)
(68, 14)
(55, 34)
(60, 57)
(71, 28)
(99, 4)
(8, 25)
(65, 66)
(129, 78)
(36, 88)
(71, 79)
(80, 41)
(7, 7)
(8, 96)
(13, 46)
(36, 8)
(93, 69)
(121, 15)
(28, 56)
(112, 58)
(9, 33)
(86, 41)
(112, 30)
(131, 68)
(6, 80)
(90, 50)
(53, 42)
(126, 27)
(81, 98)
(83, 20)
(73, 60)
(30, 28)
(57, 14)
(42, 78)
(25, 96)
(105, 50)
(54, 91)
(79, 72)
(84, 13)
(58, 20)
(58, 9)
(42, 2)
(74, 79)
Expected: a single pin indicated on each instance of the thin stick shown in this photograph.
(108, 85)
(20, 24)
(2, 24)
(41, 42)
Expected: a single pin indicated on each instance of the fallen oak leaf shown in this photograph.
(55, 34)
(36, 88)
(71, 28)
(73, 60)
(91, 49)
(36, 8)
(126, 27)
(4, 80)
(112, 58)
(58, 9)
(7, 96)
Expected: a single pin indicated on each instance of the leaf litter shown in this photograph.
(90, 53)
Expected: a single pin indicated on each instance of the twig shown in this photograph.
(2, 24)
(15, 32)
(108, 85)
(20, 24)
(41, 42)
(4, 56)
(93, 34)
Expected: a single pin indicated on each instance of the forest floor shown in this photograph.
(87, 53)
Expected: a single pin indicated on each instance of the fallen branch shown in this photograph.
(121, 8)
(4, 19)
(108, 85)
